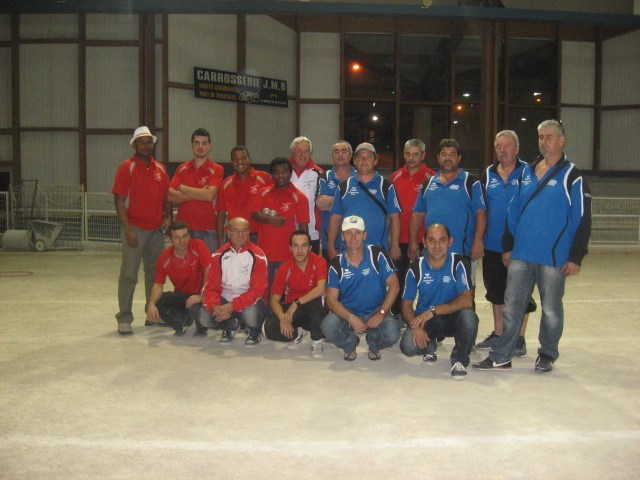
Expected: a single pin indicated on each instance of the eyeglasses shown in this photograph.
(236, 231)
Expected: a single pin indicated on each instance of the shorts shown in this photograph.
(494, 274)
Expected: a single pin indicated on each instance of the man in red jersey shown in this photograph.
(195, 187)
(140, 198)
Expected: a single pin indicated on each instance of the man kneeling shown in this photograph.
(445, 299)
(301, 280)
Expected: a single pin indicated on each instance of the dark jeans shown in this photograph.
(402, 264)
(462, 325)
(308, 316)
(173, 310)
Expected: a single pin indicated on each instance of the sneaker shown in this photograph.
(544, 364)
(317, 348)
(200, 332)
(180, 333)
(430, 357)
(486, 344)
(440, 340)
(298, 340)
(458, 372)
(521, 347)
(488, 364)
(252, 339)
(125, 329)
(230, 332)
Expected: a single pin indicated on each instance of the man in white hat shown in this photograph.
(361, 289)
(140, 196)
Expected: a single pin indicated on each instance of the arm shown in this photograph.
(332, 234)
(393, 288)
(417, 219)
(222, 220)
(477, 249)
(168, 215)
(152, 310)
(258, 285)
(197, 297)
(121, 211)
(336, 307)
(581, 216)
(420, 336)
(260, 217)
(324, 202)
(394, 236)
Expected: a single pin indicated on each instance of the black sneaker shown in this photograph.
(200, 332)
(487, 342)
(521, 347)
(544, 364)
(252, 339)
(181, 332)
(458, 372)
(488, 364)
(430, 357)
(230, 332)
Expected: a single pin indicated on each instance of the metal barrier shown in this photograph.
(101, 222)
(615, 221)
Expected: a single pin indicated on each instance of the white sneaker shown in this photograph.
(317, 348)
(298, 340)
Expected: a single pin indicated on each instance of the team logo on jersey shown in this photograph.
(346, 273)
(158, 177)
(455, 187)
(552, 183)
(245, 270)
(309, 184)
(446, 279)
(203, 181)
(366, 272)
(373, 191)
(426, 278)
(285, 207)
(354, 191)
(514, 181)
(253, 190)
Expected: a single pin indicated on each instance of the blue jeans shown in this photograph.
(521, 278)
(251, 317)
(340, 333)
(461, 325)
(209, 237)
(173, 310)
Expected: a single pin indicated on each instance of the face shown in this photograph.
(238, 233)
(506, 150)
(354, 238)
(300, 248)
(301, 154)
(549, 142)
(340, 154)
(281, 176)
(201, 146)
(240, 162)
(180, 240)
(413, 157)
(144, 147)
(449, 159)
(365, 162)
(437, 243)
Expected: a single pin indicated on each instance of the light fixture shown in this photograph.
(459, 107)
(355, 67)
(466, 94)
(523, 119)
(374, 118)
(536, 94)
(455, 122)
(374, 104)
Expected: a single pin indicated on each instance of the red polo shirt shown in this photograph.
(145, 188)
(238, 197)
(186, 274)
(407, 189)
(293, 282)
(198, 214)
(289, 203)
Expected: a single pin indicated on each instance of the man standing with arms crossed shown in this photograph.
(140, 198)
(547, 235)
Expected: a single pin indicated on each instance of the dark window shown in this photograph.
(372, 122)
(532, 72)
(425, 68)
(525, 121)
(369, 65)
(468, 68)
(429, 123)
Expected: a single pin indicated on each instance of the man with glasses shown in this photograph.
(235, 287)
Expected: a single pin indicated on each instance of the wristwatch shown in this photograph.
(383, 312)
(432, 309)
(297, 300)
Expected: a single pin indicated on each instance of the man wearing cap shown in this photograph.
(140, 197)
(195, 187)
(361, 288)
(368, 195)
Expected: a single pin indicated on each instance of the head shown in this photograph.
(341, 152)
(143, 142)
(507, 146)
(281, 170)
(437, 240)
(240, 159)
(301, 150)
(179, 236)
(238, 231)
(300, 245)
(365, 159)
(414, 153)
(449, 155)
(551, 138)
(201, 143)
(353, 233)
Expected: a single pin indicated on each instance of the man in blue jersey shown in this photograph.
(440, 280)
(328, 182)
(368, 195)
(501, 182)
(452, 197)
(546, 238)
(361, 289)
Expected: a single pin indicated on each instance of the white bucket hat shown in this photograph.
(142, 132)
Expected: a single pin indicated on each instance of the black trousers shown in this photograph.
(308, 316)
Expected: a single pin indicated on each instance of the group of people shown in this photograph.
(348, 252)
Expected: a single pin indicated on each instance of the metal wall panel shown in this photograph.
(579, 145)
(320, 65)
(112, 87)
(112, 27)
(48, 26)
(104, 154)
(158, 93)
(5, 88)
(270, 131)
(321, 125)
(50, 157)
(621, 70)
(48, 85)
(5, 27)
(207, 41)
(620, 142)
(6, 148)
(186, 113)
(578, 72)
